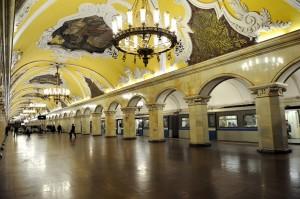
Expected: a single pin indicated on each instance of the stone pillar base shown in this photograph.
(274, 151)
(157, 141)
(110, 136)
(129, 138)
(200, 145)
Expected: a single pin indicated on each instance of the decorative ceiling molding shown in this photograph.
(28, 22)
(16, 56)
(23, 12)
(294, 3)
(247, 23)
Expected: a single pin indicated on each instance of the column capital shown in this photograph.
(269, 90)
(109, 113)
(197, 100)
(128, 109)
(155, 106)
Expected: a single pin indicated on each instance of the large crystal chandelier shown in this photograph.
(56, 93)
(144, 33)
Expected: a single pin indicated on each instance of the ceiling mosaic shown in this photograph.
(78, 34)
(91, 34)
(45, 79)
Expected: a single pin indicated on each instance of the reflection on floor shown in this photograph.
(50, 166)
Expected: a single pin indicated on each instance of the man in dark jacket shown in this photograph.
(72, 131)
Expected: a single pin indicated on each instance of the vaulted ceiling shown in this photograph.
(77, 33)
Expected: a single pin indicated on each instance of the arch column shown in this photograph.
(156, 126)
(96, 124)
(110, 124)
(77, 124)
(129, 122)
(198, 120)
(271, 118)
(85, 124)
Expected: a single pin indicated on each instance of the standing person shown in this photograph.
(16, 131)
(59, 129)
(7, 129)
(28, 132)
(72, 131)
(288, 129)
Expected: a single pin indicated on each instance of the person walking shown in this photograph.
(7, 129)
(59, 129)
(72, 131)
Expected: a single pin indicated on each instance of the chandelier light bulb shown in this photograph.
(130, 18)
(143, 15)
(173, 25)
(119, 22)
(167, 19)
(114, 26)
(156, 17)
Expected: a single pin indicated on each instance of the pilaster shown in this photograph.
(110, 124)
(96, 124)
(129, 122)
(271, 118)
(156, 127)
(199, 135)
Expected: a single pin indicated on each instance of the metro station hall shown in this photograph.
(150, 99)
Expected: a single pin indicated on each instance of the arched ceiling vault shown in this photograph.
(36, 46)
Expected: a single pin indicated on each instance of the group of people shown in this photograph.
(27, 131)
(71, 133)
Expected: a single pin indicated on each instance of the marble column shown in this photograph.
(271, 118)
(77, 124)
(3, 124)
(129, 122)
(199, 135)
(110, 124)
(96, 124)
(156, 125)
(85, 124)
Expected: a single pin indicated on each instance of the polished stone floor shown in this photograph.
(50, 166)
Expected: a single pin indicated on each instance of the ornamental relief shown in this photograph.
(269, 92)
(247, 23)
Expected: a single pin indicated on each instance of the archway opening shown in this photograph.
(176, 120)
(231, 110)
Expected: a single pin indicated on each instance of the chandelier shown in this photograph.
(56, 93)
(144, 34)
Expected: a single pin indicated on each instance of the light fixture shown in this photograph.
(56, 93)
(37, 105)
(140, 105)
(143, 34)
(29, 111)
